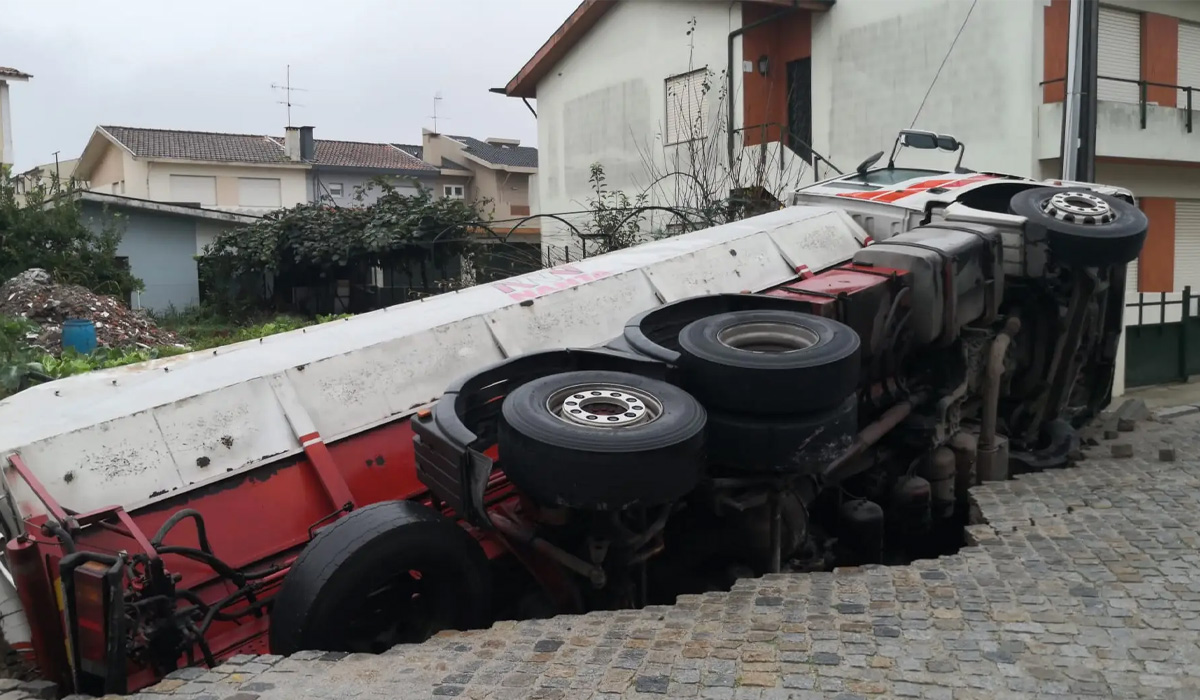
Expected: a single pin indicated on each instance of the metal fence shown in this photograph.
(1162, 338)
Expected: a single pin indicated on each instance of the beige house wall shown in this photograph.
(110, 170)
(293, 187)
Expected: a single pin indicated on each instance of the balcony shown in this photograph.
(1142, 130)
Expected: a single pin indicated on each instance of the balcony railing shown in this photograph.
(1144, 89)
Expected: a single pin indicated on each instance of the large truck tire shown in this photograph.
(387, 574)
(1083, 227)
(600, 440)
(769, 362)
(759, 445)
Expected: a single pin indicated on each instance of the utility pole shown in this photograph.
(1085, 167)
(1079, 106)
(288, 90)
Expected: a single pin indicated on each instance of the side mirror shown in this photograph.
(925, 140)
(947, 143)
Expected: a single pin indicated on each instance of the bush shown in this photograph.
(48, 230)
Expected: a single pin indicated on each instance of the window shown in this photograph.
(194, 189)
(259, 192)
(452, 191)
(335, 189)
(685, 107)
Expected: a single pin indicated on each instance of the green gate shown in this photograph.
(1159, 351)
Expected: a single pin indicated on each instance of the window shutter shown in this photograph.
(686, 119)
(1120, 55)
(1189, 64)
(1187, 244)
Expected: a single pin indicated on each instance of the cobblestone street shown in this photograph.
(1084, 582)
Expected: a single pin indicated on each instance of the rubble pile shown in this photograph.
(34, 295)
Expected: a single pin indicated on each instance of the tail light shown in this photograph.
(91, 616)
(93, 594)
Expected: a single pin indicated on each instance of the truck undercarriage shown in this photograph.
(811, 388)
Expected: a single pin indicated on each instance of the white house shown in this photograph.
(7, 75)
(845, 76)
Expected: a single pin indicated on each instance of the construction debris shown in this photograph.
(1166, 453)
(34, 295)
(1121, 450)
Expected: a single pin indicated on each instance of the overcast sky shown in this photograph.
(370, 67)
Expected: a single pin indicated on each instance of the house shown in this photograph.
(7, 75)
(48, 176)
(650, 91)
(342, 170)
(159, 242)
(241, 173)
(620, 81)
(500, 174)
(254, 174)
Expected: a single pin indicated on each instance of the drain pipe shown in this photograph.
(992, 460)
(729, 71)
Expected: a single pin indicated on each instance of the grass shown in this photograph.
(201, 330)
(198, 329)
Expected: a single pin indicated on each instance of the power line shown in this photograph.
(944, 59)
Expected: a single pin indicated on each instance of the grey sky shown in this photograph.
(371, 67)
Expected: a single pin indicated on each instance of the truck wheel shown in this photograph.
(601, 440)
(769, 362)
(1083, 227)
(781, 444)
(391, 573)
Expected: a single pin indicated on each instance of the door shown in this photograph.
(1119, 55)
(799, 116)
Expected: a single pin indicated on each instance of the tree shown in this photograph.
(313, 242)
(48, 230)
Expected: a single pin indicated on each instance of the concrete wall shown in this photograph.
(874, 61)
(161, 250)
(319, 179)
(293, 182)
(605, 101)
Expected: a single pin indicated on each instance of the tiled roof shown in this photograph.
(251, 148)
(13, 73)
(447, 163)
(416, 151)
(198, 145)
(516, 156)
(357, 154)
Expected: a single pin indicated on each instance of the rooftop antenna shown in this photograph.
(287, 91)
(437, 97)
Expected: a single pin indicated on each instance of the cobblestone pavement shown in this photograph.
(1084, 582)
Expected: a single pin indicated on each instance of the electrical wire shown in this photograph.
(944, 59)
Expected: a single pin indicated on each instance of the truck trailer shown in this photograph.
(813, 387)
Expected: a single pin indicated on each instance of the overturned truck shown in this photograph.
(812, 387)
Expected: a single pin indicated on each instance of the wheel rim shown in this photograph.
(409, 607)
(772, 338)
(1078, 208)
(604, 406)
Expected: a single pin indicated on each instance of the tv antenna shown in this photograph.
(287, 91)
(437, 98)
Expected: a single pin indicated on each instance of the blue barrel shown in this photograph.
(80, 335)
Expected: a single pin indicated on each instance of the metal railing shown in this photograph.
(1162, 350)
(788, 138)
(1143, 90)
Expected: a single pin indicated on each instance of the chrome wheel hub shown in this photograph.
(604, 406)
(1079, 208)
